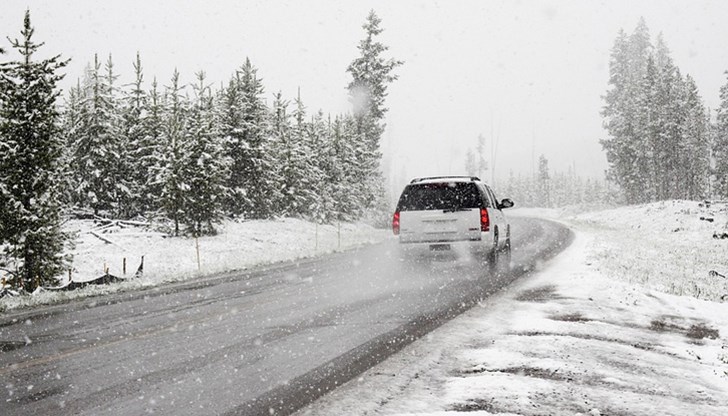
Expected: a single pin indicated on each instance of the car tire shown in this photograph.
(506, 253)
(493, 254)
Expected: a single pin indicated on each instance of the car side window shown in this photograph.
(492, 197)
(484, 196)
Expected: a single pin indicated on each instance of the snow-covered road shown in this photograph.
(242, 343)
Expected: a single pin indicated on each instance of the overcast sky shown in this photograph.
(527, 73)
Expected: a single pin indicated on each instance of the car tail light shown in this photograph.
(395, 223)
(484, 220)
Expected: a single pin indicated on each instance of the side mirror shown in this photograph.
(505, 203)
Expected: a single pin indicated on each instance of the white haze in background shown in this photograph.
(360, 100)
(527, 74)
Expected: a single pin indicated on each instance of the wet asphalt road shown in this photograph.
(246, 342)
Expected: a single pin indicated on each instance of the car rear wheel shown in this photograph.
(505, 257)
(493, 254)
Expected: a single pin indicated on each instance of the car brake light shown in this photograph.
(484, 220)
(395, 223)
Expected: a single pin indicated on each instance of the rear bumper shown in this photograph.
(461, 247)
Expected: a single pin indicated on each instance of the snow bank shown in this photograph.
(677, 247)
(666, 246)
(238, 245)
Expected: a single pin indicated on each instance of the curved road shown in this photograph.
(248, 342)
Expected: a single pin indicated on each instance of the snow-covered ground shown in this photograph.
(238, 245)
(601, 330)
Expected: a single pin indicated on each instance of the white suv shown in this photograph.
(458, 213)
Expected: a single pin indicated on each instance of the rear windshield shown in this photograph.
(434, 196)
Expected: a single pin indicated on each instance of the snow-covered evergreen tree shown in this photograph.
(720, 145)
(173, 168)
(71, 124)
(371, 74)
(626, 145)
(136, 151)
(30, 150)
(255, 176)
(647, 136)
(97, 145)
(666, 123)
(321, 170)
(656, 122)
(207, 167)
(252, 184)
(342, 187)
(695, 149)
(617, 116)
(544, 182)
(231, 125)
(283, 155)
(120, 158)
(151, 159)
(294, 158)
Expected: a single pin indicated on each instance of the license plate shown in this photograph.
(439, 247)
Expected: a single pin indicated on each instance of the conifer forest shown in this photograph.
(187, 156)
(183, 156)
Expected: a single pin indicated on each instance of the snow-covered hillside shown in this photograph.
(595, 332)
(678, 247)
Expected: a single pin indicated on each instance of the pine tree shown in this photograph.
(647, 131)
(544, 181)
(136, 151)
(371, 74)
(207, 168)
(656, 122)
(696, 149)
(71, 127)
(30, 149)
(320, 170)
(231, 120)
(279, 126)
(97, 147)
(720, 145)
(293, 157)
(346, 188)
(667, 123)
(253, 189)
(627, 147)
(119, 158)
(626, 157)
(151, 158)
(617, 116)
(173, 170)
(640, 49)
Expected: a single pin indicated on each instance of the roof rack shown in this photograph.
(472, 178)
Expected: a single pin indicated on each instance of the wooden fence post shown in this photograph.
(197, 249)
